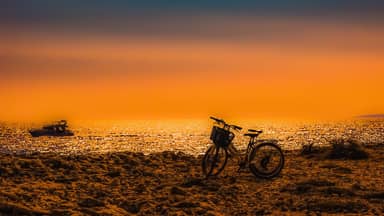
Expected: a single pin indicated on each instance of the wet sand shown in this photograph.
(171, 183)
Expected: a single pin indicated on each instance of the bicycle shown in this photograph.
(264, 158)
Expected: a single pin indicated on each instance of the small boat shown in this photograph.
(57, 129)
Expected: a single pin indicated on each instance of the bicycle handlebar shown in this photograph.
(236, 127)
(225, 124)
(217, 120)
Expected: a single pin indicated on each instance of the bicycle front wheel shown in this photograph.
(214, 161)
(266, 160)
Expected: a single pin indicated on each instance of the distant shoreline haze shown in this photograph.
(371, 116)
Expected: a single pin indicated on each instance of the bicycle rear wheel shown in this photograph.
(214, 161)
(266, 160)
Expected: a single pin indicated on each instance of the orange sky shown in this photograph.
(324, 72)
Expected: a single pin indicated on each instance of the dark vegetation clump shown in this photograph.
(306, 149)
(346, 149)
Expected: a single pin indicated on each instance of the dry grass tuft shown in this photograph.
(346, 149)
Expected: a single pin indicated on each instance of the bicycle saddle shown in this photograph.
(253, 133)
(253, 130)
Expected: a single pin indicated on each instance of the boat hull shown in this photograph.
(45, 132)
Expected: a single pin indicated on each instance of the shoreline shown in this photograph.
(193, 139)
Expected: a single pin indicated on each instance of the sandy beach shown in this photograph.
(170, 183)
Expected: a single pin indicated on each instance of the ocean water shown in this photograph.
(190, 136)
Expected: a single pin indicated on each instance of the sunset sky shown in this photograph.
(191, 59)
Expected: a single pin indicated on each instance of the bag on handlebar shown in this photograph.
(221, 137)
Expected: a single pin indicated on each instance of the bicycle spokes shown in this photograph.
(214, 161)
(266, 160)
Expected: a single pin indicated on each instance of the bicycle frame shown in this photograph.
(245, 160)
(249, 147)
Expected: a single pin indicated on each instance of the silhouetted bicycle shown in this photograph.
(264, 158)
